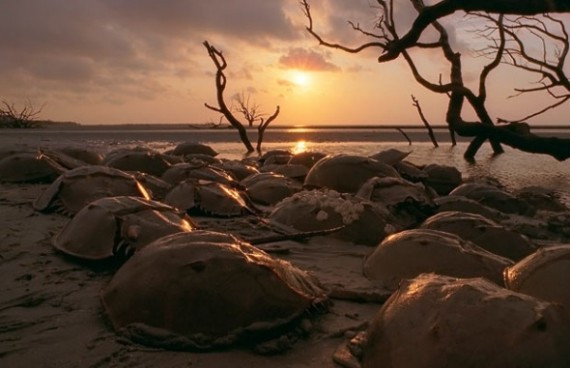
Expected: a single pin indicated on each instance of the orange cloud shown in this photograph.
(303, 59)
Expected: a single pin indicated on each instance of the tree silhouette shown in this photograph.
(385, 38)
(250, 111)
(11, 117)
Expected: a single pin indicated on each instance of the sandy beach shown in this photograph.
(51, 314)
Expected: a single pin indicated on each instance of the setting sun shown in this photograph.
(301, 79)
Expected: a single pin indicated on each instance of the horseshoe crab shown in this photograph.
(494, 197)
(267, 155)
(118, 226)
(28, 167)
(390, 156)
(345, 173)
(210, 198)
(542, 275)
(181, 294)
(407, 254)
(194, 157)
(239, 169)
(156, 187)
(277, 159)
(61, 158)
(296, 172)
(307, 158)
(464, 204)
(483, 232)
(269, 189)
(438, 321)
(364, 222)
(75, 188)
(186, 148)
(410, 172)
(409, 203)
(443, 179)
(149, 162)
(197, 170)
(89, 157)
(542, 199)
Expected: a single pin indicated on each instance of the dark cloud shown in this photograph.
(91, 45)
(303, 59)
(249, 20)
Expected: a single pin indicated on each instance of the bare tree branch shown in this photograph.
(393, 46)
(220, 63)
(11, 117)
(263, 125)
(416, 103)
(446, 7)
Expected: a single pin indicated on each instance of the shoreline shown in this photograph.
(209, 127)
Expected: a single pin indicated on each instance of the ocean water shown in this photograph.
(515, 169)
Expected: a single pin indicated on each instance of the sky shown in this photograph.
(142, 61)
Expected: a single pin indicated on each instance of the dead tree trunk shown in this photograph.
(405, 136)
(262, 126)
(425, 121)
(220, 63)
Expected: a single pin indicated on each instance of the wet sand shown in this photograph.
(51, 314)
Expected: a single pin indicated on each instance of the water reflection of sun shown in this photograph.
(300, 146)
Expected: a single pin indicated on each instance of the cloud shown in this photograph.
(303, 59)
(89, 46)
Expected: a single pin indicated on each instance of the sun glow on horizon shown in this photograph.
(300, 78)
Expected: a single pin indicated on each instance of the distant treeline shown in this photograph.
(11, 123)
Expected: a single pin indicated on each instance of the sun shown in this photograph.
(301, 79)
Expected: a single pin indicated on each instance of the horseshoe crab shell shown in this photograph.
(156, 187)
(543, 275)
(89, 157)
(408, 202)
(409, 253)
(297, 172)
(464, 204)
(267, 155)
(483, 232)
(149, 162)
(345, 173)
(495, 198)
(114, 224)
(469, 323)
(269, 189)
(28, 167)
(410, 172)
(75, 188)
(390, 156)
(213, 199)
(307, 158)
(364, 222)
(197, 295)
(541, 198)
(238, 169)
(197, 170)
(443, 179)
(197, 157)
(186, 148)
(276, 159)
